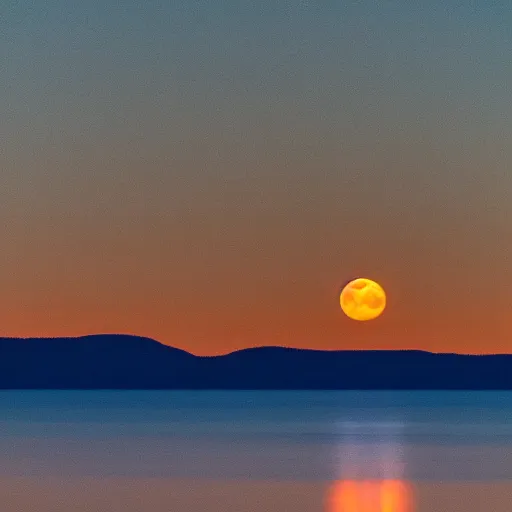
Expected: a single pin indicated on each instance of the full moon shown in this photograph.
(363, 299)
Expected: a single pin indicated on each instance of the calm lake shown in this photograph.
(162, 451)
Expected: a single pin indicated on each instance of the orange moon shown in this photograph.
(363, 299)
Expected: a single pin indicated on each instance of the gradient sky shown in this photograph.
(210, 173)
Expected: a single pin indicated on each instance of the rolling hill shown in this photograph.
(132, 362)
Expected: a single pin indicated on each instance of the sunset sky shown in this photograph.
(210, 173)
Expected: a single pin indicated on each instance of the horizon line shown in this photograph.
(257, 347)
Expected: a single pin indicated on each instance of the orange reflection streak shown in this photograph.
(370, 496)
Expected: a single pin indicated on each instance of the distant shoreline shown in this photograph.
(115, 362)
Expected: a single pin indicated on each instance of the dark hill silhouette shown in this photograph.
(132, 362)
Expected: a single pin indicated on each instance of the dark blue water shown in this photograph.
(280, 436)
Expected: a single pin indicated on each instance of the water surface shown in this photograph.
(253, 451)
